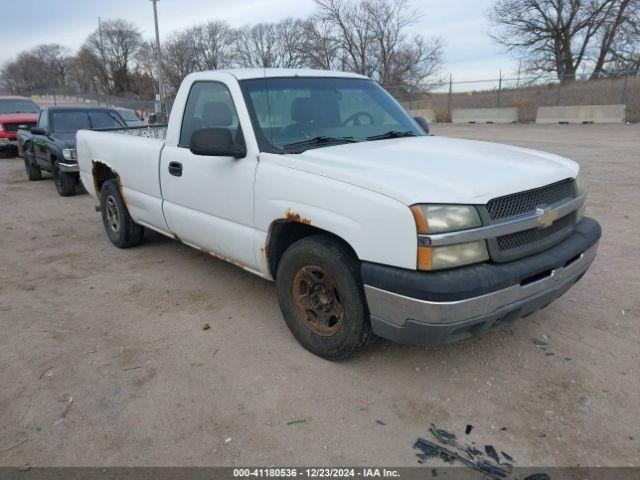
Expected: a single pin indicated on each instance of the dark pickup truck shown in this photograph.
(51, 145)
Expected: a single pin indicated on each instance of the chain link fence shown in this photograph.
(524, 93)
(67, 97)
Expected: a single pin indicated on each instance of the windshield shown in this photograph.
(68, 121)
(17, 105)
(129, 115)
(312, 112)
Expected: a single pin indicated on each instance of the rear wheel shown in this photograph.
(322, 299)
(120, 227)
(65, 182)
(33, 171)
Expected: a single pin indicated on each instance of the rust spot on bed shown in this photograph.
(292, 216)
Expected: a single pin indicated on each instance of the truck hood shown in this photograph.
(65, 140)
(435, 169)
(18, 117)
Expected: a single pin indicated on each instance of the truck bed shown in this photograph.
(133, 153)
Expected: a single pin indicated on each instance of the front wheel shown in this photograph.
(322, 299)
(33, 171)
(65, 182)
(120, 227)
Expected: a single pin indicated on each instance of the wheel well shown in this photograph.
(283, 234)
(101, 173)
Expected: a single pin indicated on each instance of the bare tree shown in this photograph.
(560, 35)
(42, 67)
(618, 47)
(87, 71)
(209, 46)
(371, 38)
(115, 44)
(271, 45)
(320, 47)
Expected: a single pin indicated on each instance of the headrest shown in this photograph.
(301, 109)
(216, 114)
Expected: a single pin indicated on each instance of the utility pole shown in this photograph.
(159, 59)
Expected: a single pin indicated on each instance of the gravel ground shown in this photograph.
(104, 361)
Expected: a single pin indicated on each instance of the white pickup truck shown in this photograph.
(369, 225)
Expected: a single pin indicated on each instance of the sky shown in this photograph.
(469, 52)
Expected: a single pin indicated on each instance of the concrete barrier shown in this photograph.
(485, 115)
(582, 114)
(428, 114)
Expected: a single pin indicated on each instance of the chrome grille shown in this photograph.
(525, 238)
(527, 202)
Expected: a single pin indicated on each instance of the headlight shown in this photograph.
(448, 218)
(458, 255)
(445, 218)
(69, 154)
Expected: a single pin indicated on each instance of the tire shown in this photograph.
(33, 171)
(65, 182)
(322, 298)
(120, 227)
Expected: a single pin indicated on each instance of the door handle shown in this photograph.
(175, 169)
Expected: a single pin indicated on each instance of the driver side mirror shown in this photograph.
(37, 131)
(216, 142)
(423, 124)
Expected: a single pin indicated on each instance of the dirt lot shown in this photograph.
(120, 333)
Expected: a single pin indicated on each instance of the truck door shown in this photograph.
(40, 142)
(208, 201)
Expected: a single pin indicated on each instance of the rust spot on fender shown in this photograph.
(265, 251)
(124, 199)
(292, 216)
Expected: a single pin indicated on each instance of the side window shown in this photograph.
(209, 105)
(43, 121)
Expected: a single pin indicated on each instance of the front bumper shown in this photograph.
(431, 308)
(68, 167)
(6, 142)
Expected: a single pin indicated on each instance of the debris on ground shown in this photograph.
(297, 421)
(488, 462)
(45, 372)
(206, 326)
(132, 368)
(64, 413)
(540, 344)
(380, 422)
(15, 445)
(538, 476)
(491, 452)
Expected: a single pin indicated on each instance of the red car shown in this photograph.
(15, 112)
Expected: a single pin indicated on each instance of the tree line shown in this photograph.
(370, 37)
(599, 38)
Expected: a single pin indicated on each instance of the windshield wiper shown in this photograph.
(321, 140)
(392, 134)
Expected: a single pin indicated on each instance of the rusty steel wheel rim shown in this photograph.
(318, 301)
(113, 218)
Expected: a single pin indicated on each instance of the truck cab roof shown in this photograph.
(254, 73)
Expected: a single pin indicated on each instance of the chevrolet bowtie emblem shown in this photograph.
(546, 217)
